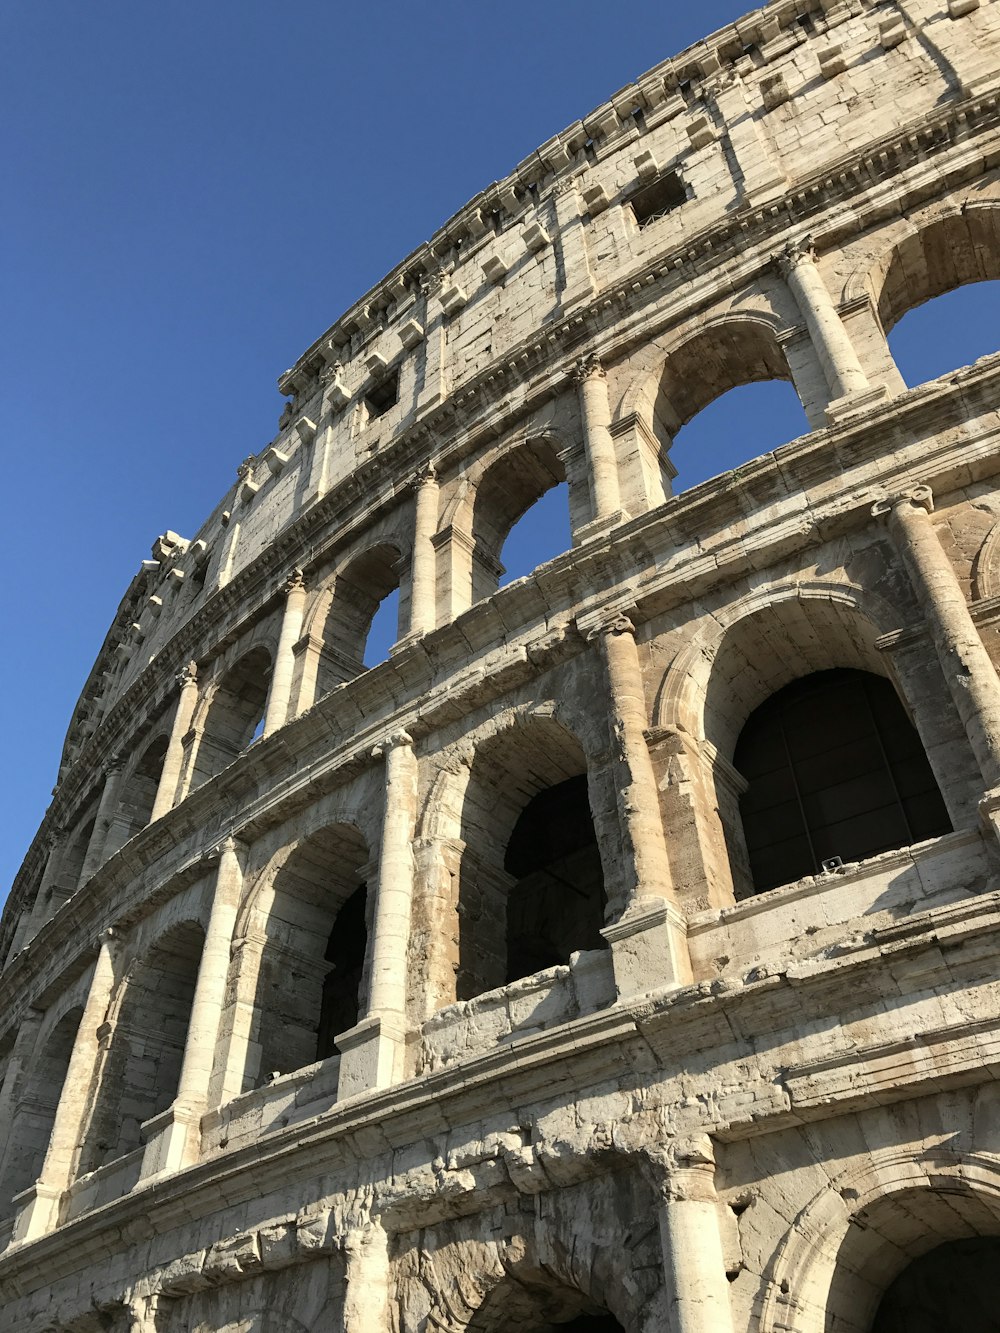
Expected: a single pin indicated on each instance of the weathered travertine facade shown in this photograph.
(451, 1000)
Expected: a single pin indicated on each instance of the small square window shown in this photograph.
(381, 396)
(663, 195)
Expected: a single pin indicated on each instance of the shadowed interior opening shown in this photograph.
(835, 770)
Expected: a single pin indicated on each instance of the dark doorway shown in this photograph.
(345, 951)
(835, 769)
(953, 1289)
(557, 904)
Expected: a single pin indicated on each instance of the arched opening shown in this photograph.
(234, 715)
(531, 888)
(836, 772)
(953, 1289)
(707, 378)
(539, 535)
(958, 251)
(67, 878)
(311, 984)
(556, 903)
(741, 424)
(915, 1241)
(362, 622)
(143, 1065)
(140, 791)
(35, 1109)
(947, 332)
(508, 490)
(551, 1307)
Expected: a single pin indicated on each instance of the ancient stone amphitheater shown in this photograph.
(620, 953)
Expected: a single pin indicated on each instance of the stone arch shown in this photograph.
(310, 912)
(139, 789)
(505, 489)
(525, 754)
(23, 1155)
(683, 376)
(231, 712)
(148, 1018)
(986, 565)
(930, 256)
(738, 658)
(852, 1239)
(340, 615)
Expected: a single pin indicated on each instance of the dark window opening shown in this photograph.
(381, 396)
(345, 951)
(658, 198)
(557, 904)
(835, 769)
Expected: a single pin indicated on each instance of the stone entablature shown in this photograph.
(269, 1055)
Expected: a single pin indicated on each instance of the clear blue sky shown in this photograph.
(193, 193)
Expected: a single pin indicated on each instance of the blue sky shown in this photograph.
(193, 193)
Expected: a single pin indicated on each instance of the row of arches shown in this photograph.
(711, 404)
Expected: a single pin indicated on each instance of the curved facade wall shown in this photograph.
(443, 994)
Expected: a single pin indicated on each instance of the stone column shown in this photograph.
(280, 693)
(648, 942)
(694, 1265)
(595, 411)
(38, 1210)
(366, 1299)
(967, 666)
(174, 1140)
(372, 1051)
(423, 580)
(173, 760)
(102, 821)
(844, 375)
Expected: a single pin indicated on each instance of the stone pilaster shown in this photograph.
(694, 1265)
(366, 1299)
(38, 1207)
(102, 821)
(967, 667)
(602, 462)
(762, 177)
(175, 1140)
(648, 938)
(847, 381)
(423, 583)
(372, 1052)
(173, 760)
(280, 692)
(577, 277)
(434, 385)
(32, 921)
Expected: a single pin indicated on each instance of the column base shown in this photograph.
(371, 1055)
(598, 526)
(37, 1212)
(172, 1139)
(648, 947)
(854, 404)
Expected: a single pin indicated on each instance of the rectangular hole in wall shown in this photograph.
(661, 196)
(383, 395)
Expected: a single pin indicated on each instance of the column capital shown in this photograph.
(684, 1169)
(188, 675)
(398, 740)
(426, 476)
(589, 367)
(793, 254)
(917, 497)
(296, 582)
(230, 845)
(107, 937)
(612, 625)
